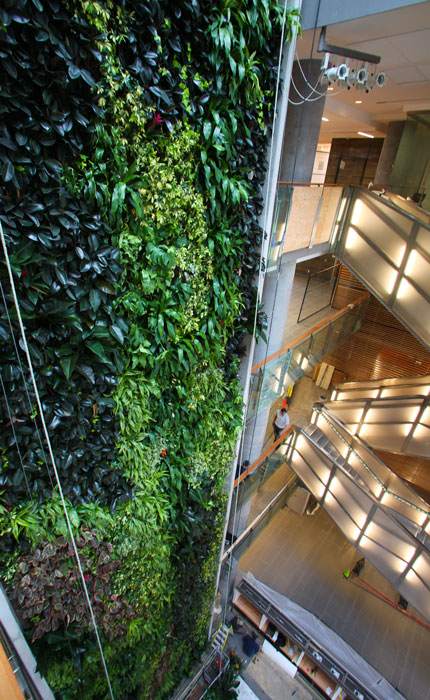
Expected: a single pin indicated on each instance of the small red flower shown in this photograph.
(24, 273)
(163, 452)
(86, 577)
(221, 323)
(157, 120)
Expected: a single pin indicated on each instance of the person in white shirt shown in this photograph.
(280, 422)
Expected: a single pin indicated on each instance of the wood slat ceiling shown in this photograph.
(382, 348)
(412, 469)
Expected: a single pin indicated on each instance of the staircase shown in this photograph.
(221, 636)
(385, 241)
(377, 511)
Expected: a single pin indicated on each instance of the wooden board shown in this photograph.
(9, 686)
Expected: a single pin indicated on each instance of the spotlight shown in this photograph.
(342, 73)
(362, 76)
(329, 76)
(380, 80)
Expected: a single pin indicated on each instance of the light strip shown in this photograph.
(363, 133)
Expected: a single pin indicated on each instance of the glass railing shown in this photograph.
(269, 500)
(305, 216)
(271, 378)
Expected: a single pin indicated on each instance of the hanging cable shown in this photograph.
(54, 466)
(313, 88)
(310, 99)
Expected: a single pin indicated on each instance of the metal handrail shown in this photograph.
(269, 451)
(319, 326)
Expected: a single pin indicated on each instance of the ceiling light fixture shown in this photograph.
(361, 74)
(358, 102)
(324, 119)
(363, 133)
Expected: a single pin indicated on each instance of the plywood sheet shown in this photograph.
(302, 217)
(331, 197)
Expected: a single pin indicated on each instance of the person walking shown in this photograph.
(280, 422)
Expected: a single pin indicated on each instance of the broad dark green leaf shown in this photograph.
(7, 171)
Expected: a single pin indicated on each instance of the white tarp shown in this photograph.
(329, 641)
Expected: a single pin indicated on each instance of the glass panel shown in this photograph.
(423, 238)
(285, 193)
(341, 518)
(362, 258)
(413, 589)
(418, 269)
(307, 475)
(398, 413)
(411, 306)
(381, 227)
(382, 438)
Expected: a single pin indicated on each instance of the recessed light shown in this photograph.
(358, 102)
(363, 133)
(330, 88)
(324, 119)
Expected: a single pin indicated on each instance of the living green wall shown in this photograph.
(132, 158)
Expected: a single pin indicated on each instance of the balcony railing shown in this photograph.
(272, 377)
(305, 216)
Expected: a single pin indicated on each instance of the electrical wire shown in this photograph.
(310, 99)
(313, 89)
(54, 466)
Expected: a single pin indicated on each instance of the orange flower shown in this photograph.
(163, 452)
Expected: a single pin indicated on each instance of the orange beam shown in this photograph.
(310, 332)
(265, 454)
(9, 686)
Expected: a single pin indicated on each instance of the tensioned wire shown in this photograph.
(236, 510)
(54, 466)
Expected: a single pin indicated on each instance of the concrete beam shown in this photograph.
(321, 13)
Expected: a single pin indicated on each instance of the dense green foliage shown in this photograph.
(131, 171)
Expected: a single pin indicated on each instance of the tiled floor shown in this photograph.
(303, 557)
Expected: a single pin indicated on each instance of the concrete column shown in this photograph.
(388, 153)
(303, 123)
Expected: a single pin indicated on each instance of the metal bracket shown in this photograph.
(323, 47)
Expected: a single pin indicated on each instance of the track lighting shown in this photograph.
(351, 76)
